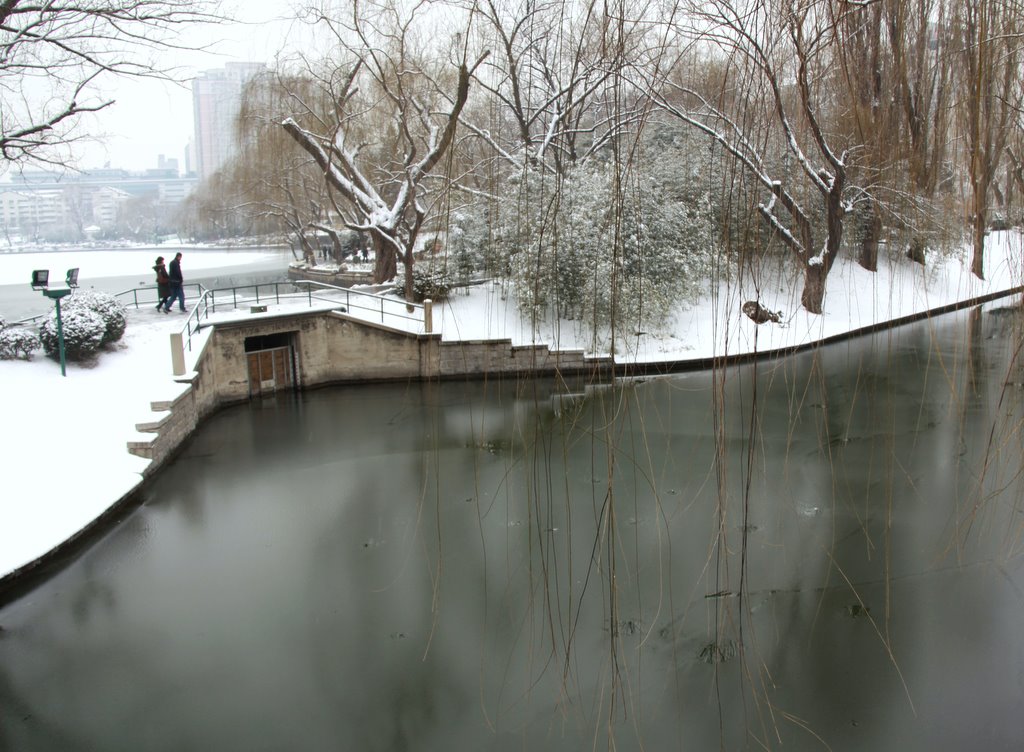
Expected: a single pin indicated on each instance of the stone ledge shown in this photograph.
(153, 426)
(142, 449)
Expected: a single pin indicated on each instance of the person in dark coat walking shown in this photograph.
(177, 284)
(163, 286)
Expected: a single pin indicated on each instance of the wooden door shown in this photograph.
(270, 370)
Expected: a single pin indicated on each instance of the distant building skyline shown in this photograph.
(216, 98)
(41, 204)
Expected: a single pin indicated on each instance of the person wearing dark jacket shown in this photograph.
(163, 286)
(177, 284)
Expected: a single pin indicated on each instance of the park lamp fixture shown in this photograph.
(41, 281)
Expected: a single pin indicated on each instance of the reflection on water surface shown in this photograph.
(815, 553)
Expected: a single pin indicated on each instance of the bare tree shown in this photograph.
(779, 50)
(416, 109)
(921, 80)
(54, 55)
(275, 181)
(553, 77)
(893, 75)
(990, 34)
(210, 211)
(1014, 191)
(862, 74)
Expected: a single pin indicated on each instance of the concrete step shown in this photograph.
(153, 426)
(142, 449)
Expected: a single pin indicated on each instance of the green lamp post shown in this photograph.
(41, 281)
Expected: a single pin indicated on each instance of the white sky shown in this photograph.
(64, 439)
(150, 118)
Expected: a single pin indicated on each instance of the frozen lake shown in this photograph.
(116, 270)
(823, 550)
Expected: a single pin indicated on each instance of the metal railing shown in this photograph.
(380, 307)
(150, 295)
(31, 319)
(373, 306)
(135, 297)
(205, 302)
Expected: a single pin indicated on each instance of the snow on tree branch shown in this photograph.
(53, 55)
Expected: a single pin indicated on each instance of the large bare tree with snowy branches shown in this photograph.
(379, 169)
(779, 50)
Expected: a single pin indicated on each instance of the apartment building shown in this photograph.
(38, 204)
(216, 97)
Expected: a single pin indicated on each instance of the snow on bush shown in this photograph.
(17, 342)
(591, 246)
(109, 309)
(469, 243)
(432, 279)
(83, 333)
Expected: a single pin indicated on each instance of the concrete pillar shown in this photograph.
(428, 315)
(177, 355)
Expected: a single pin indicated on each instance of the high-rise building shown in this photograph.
(216, 95)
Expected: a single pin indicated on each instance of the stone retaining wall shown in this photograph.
(338, 278)
(334, 348)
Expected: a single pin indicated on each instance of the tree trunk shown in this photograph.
(978, 255)
(916, 250)
(409, 294)
(815, 274)
(308, 254)
(813, 294)
(868, 257)
(385, 265)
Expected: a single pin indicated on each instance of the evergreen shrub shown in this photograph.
(84, 331)
(109, 309)
(432, 280)
(17, 342)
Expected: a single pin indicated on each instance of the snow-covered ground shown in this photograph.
(715, 325)
(63, 441)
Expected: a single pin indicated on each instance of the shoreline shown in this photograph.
(21, 580)
(144, 247)
(73, 432)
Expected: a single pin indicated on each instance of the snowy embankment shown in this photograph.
(714, 325)
(64, 439)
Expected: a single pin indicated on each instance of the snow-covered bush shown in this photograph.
(432, 279)
(468, 243)
(83, 333)
(17, 342)
(109, 309)
(597, 247)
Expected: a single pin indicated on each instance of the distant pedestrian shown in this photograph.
(163, 286)
(177, 284)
